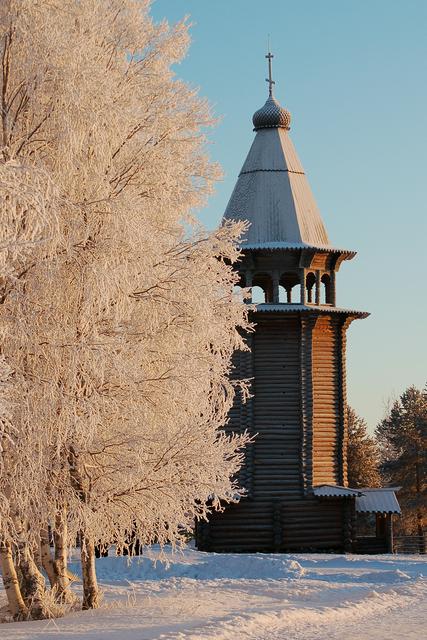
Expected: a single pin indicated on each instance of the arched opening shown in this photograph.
(287, 283)
(326, 289)
(258, 295)
(310, 281)
(239, 286)
(238, 291)
(283, 297)
(264, 282)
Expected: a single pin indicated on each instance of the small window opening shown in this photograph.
(326, 289)
(258, 295)
(289, 288)
(283, 297)
(310, 281)
(264, 282)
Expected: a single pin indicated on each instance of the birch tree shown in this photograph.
(119, 338)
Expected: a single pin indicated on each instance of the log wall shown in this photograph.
(296, 414)
(326, 402)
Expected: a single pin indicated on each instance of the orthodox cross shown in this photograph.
(270, 80)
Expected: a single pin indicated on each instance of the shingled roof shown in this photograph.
(272, 191)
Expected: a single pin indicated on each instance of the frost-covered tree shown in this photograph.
(28, 235)
(118, 339)
(362, 453)
(402, 436)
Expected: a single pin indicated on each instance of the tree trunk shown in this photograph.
(32, 584)
(17, 606)
(420, 523)
(420, 529)
(62, 583)
(46, 557)
(90, 585)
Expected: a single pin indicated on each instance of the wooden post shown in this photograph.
(333, 289)
(275, 288)
(248, 278)
(349, 507)
(389, 533)
(302, 284)
(318, 287)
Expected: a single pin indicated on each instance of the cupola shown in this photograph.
(287, 252)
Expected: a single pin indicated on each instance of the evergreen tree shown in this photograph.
(402, 436)
(362, 453)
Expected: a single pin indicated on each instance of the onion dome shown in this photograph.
(271, 115)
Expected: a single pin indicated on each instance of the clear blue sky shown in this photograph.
(354, 76)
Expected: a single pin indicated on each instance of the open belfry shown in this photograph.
(295, 472)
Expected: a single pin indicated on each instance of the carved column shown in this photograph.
(302, 284)
(248, 279)
(333, 289)
(318, 287)
(275, 287)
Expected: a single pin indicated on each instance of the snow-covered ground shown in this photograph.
(249, 596)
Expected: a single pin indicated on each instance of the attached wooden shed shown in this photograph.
(383, 504)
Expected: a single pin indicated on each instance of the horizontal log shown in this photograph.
(245, 529)
(285, 463)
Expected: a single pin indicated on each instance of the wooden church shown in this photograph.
(295, 472)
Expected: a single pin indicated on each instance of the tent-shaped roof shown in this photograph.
(272, 191)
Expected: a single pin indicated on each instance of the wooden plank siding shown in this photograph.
(296, 413)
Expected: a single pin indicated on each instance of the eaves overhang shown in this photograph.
(336, 491)
(291, 246)
(307, 308)
(381, 500)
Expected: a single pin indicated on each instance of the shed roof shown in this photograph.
(378, 501)
(335, 491)
(367, 500)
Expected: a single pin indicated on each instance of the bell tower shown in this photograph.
(296, 360)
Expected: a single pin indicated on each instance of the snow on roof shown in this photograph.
(294, 246)
(367, 500)
(378, 501)
(294, 307)
(335, 491)
(272, 192)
